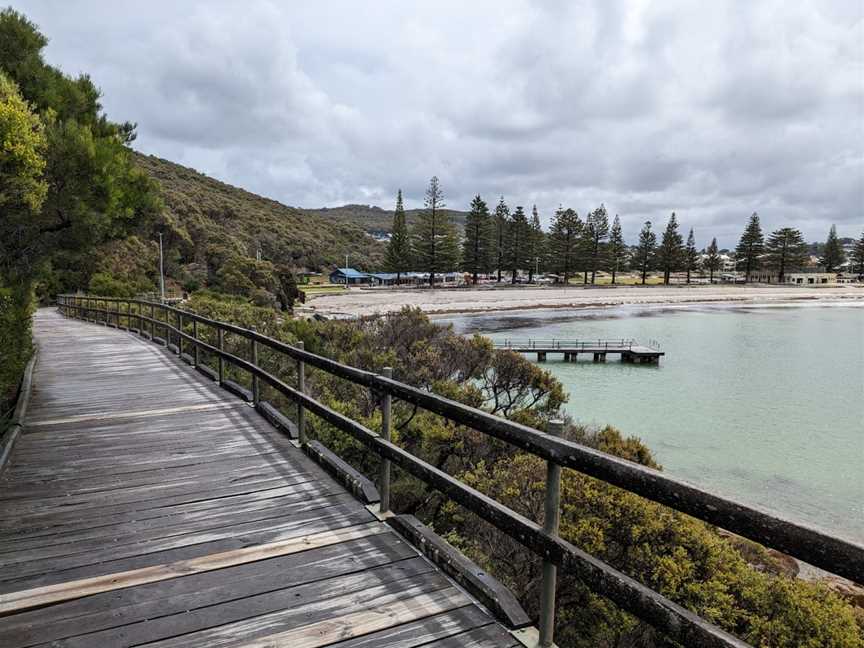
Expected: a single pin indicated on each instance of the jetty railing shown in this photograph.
(569, 345)
(836, 555)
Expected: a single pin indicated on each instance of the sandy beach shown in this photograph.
(361, 302)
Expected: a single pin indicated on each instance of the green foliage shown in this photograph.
(858, 256)
(751, 246)
(617, 251)
(785, 250)
(691, 256)
(712, 260)
(646, 250)
(477, 245)
(833, 256)
(22, 164)
(593, 235)
(206, 222)
(536, 245)
(434, 237)
(499, 243)
(670, 253)
(16, 343)
(564, 240)
(398, 257)
(107, 285)
(517, 243)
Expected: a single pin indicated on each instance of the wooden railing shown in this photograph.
(811, 545)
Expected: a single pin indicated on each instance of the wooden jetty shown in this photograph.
(628, 350)
(143, 505)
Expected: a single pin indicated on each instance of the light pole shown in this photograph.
(161, 270)
(346, 261)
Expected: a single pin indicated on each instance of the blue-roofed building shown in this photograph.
(349, 276)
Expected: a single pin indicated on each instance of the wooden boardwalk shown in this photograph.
(146, 506)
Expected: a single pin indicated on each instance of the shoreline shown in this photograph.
(473, 301)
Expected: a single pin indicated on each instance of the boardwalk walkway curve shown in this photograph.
(180, 329)
(146, 506)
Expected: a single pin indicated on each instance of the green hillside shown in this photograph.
(374, 219)
(205, 216)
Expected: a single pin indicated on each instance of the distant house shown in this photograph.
(349, 277)
(795, 278)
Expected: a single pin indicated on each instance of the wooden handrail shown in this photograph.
(814, 546)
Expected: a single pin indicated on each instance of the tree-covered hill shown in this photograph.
(205, 218)
(376, 220)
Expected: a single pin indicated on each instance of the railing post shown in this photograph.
(152, 321)
(253, 352)
(551, 522)
(195, 337)
(301, 387)
(179, 333)
(221, 363)
(386, 406)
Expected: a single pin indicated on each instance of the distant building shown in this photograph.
(349, 277)
(796, 278)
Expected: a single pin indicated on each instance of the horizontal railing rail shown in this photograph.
(836, 555)
(566, 345)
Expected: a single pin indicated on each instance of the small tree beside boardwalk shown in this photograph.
(435, 241)
(398, 257)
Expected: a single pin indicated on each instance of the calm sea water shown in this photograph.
(764, 404)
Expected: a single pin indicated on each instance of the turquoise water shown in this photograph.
(764, 404)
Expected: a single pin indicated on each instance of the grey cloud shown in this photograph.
(713, 110)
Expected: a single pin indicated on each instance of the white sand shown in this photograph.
(358, 301)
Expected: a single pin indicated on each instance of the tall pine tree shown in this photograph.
(712, 259)
(691, 256)
(518, 233)
(435, 241)
(833, 256)
(536, 240)
(617, 256)
(785, 249)
(670, 254)
(476, 246)
(858, 256)
(502, 220)
(646, 250)
(597, 229)
(398, 256)
(564, 241)
(750, 247)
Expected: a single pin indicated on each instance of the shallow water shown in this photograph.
(764, 404)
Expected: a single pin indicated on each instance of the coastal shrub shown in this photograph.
(16, 344)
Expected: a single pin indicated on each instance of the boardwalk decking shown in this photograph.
(146, 506)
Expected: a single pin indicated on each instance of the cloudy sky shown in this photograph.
(711, 109)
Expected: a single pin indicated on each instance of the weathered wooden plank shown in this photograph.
(323, 622)
(27, 599)
(118, 607)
